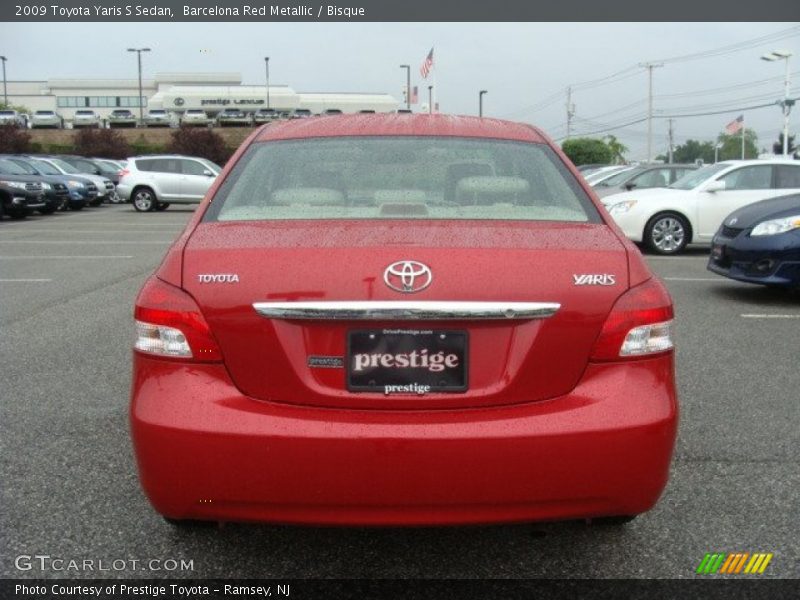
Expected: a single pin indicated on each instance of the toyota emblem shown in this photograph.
(407, 276)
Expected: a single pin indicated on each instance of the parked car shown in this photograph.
(20, 195)
(12, 117)
(303, 113)
(233, 117)
(265, 115)
(122, 117)
(692, 209)
(403, 319)
(195, 117)
(46, 119)
(328, 111)
(640, 178)
(155, 182)
(760, 243)
(158, 117)
(89, 166)
(103, 185)
(85, 118)
(80, 191)
(55, 193)
(596, 175)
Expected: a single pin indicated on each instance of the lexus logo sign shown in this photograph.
(179, 102)
(407, 276)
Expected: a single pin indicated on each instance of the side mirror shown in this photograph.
(715, 186)
(630, 185)
(208, 173)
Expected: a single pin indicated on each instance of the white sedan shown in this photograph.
(692, 209)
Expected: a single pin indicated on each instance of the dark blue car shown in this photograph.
(760, 243)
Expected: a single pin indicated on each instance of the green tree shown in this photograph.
(692, 150)
(777, 147)
(618, 149)
(731, 145)
(587, 151)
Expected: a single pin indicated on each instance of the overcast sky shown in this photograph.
(522, 65)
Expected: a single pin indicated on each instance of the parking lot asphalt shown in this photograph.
(69, 484)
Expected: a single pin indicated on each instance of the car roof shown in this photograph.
(401, 124)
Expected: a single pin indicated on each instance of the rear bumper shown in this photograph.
(205, 451)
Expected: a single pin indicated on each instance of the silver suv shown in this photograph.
(46, 118)
(155, 182)
(85, 118)
(121, 117)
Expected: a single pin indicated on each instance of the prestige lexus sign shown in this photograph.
(229, 101)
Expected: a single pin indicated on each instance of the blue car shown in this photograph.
(760, 243)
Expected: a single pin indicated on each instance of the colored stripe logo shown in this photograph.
(735, 563)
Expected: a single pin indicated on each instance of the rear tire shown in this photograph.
(667, 234)
(144, 200)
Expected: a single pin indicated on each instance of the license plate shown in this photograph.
(407, 361)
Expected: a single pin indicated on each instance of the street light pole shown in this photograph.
(139, 60)
(408, 85)
(430, 99)
(5, 90)
(786, 104)
(266, 62)
(480, 102)
(650, 67)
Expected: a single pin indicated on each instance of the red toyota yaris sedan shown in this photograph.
(402, 319)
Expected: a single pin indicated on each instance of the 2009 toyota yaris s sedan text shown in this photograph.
(402, 319)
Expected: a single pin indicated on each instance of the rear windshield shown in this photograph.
(85, 112)
(400, 178)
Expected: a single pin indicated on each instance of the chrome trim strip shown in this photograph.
(406, 311)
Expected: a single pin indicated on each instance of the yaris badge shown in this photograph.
(407, 276)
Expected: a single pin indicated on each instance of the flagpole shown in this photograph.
(743, 137)
(435, 85)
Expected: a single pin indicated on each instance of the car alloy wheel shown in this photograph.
(143, 200)
(666, 234)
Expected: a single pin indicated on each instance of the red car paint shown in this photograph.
(554, 424)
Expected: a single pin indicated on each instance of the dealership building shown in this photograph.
(179, 92)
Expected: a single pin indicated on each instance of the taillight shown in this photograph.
(639, 324)
(123, 173)
(169, 324)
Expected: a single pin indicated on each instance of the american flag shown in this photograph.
(735, 126)
(427, 65)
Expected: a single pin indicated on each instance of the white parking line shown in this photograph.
(768, 316)
(703, 257)
(108, 242)
(99, 230)
(25, 280)
(719, 279)
(70, 257)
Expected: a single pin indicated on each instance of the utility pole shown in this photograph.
(570, 110)
(266, 62)
(5, 90)
(650, 67)
(430, 99)
(669, 154)
(141, 104)
(480, 102)
(787, 102)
